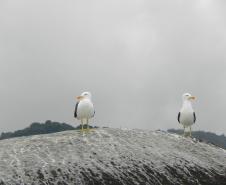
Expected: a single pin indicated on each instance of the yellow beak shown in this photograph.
(79, 97)
(192, 98)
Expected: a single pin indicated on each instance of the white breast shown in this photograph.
(85, 109)
(186, 118)
(186, 114)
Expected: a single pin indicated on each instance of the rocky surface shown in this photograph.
(110, 157)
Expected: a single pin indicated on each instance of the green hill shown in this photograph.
(52, 127)
(208, 137)
(40, 128)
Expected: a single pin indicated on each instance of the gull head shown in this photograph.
(188, 97)
(84, 95)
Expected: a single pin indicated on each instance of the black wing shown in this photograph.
(178, 117)
(76, 107)
(194, 117)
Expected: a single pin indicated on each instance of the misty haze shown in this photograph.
(137, 58)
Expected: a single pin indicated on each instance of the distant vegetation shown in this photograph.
(40, 128)
(52, 127)
(208, 137)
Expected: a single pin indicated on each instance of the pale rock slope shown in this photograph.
(110, 157)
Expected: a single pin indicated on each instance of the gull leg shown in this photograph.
(190, 131)
(82, 125)
(184, 131)
(87, 122)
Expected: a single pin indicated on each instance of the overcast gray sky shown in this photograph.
(137, 57)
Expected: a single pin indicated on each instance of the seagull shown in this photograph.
(187, 116)
(84, 109)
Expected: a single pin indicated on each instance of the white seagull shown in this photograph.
(84, 109)
(187, 116)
